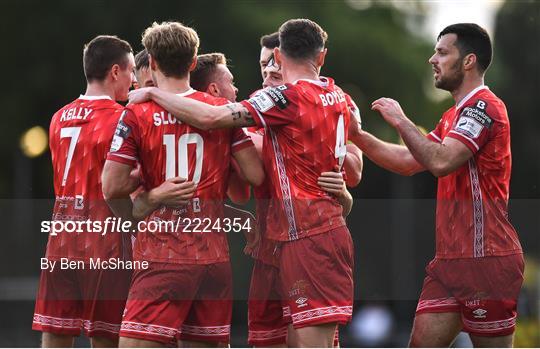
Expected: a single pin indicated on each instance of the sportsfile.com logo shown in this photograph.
(118, 225)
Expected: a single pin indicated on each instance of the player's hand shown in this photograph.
(390, 110)
(139, 95)
(173, 192)
(332, 183)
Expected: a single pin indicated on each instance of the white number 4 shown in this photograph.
(73, 133)
(341, 149)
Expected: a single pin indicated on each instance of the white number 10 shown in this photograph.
(341, 149)
(170, 155)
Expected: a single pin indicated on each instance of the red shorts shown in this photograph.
(266, 324)
(317, 277)
(180, 302)
(484, 290)
(73, 300)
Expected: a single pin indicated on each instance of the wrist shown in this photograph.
(153, 197)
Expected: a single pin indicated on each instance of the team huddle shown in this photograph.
(183, 145)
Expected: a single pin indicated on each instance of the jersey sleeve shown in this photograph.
(124, 147)
(436, 135)
(240, 140)
(273, 106)
(473, 125)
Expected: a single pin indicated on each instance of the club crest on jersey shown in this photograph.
(261, 101)
(276, 93)
(79, 202)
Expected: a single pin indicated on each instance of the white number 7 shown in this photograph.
(341, 149)
(73, 133)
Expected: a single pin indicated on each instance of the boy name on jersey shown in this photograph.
(161, 119)
(93, 264)
(76, 114)
(332, 97)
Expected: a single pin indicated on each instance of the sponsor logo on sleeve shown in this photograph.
(261, 101)
(278, 97)
(122, 132)
(474, 119)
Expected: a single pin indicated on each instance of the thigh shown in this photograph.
(435, 329)
(493, 342)
(316, 276)
(209, 317)
(320, 336)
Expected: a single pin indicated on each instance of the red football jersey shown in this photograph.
(167, 148)
(266, 249)
(80, 136)
(306, 130)
(472, 202)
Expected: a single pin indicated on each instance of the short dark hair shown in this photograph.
(203, 74)
(101, 53)
(141, 60)
(471, 38)
(301, 38)
(270, 40)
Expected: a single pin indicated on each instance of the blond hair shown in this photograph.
(172, 46)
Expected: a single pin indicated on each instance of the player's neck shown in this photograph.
(174, 85)
(293, 72)
(100, 89)
(466, 87)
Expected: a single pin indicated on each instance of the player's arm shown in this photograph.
(393, 157)
(238, 189)
(353, 165)
(438, 158)
(195, 113)
(333, 183)
(173, 192)
(250, 165)
(117, 184)
(252, 233)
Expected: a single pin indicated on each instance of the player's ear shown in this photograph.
(469, 61)
(320, 57)
(193, 64)
(115, 70)
(213, 89)
(277, 56)
(152, 63)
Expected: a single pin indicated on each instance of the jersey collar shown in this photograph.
(469, 95)
(94, 98)
(187, 93)
(321, 82)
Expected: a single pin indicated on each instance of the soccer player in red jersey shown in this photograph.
(306, 122)
(267, 324)
(186, 292)
(474, 281)
(74, 299)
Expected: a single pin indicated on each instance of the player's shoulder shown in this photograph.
(140, 109)
(486, 105)
(207, 98)
(86, 108)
